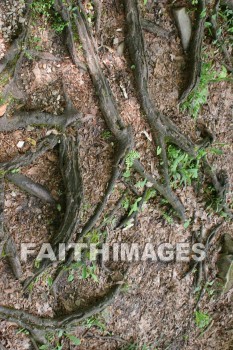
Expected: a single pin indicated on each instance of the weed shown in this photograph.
(54, 340)
(37, 264)
(130, 158)
(182, 167)
(15, 171)
(202, 320)
(46, 9)
(198, 97)
(168, 218)
(134, 206)
(208, 287)
(141, 184)
(23, 330)
(106, 134)
(84, 269)
(95, 321)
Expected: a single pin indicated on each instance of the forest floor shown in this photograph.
(156, 307)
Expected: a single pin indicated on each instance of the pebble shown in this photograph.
(20, 144)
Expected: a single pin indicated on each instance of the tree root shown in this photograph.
(162, 127)
(23, 119)
(220, 183)
(194, 60)
(154, 28)
(98, 12)
(70, 170)
(31, 187)
(13, 257)
(43, 324)
(29, 157)
(218, 36)
(164, 191)
(15, 50)
(69, 36)
(6, 241)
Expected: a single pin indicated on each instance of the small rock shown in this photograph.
(20, 144)
(184, 25)
(21, 20)
(120, 48)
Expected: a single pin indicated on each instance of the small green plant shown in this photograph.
(168, 218)
(106, 134)
(198, 97)
(85, 270)
(54, 340)
(95, 321)
(15, 171)
(46, 9)
(182, 167)
(134, 206)
(23, 330)
(130, 158)
(37, 264)
(202, 320)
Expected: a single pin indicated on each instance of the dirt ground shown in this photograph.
(155, 308)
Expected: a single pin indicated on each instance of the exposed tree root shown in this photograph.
(218, 36)
(16, 51)
(154, 28)
(98, 12)
(29, 157)
(70, 170)
(31, 187)
(220, 183)
(69, 36)
(163, 190)
(163, 129)
(23, 119)
(111, 115)
(13, 257)
(194, 54)
(6, 241)
(12, 52)
(43, 324)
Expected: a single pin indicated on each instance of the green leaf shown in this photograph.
(141, 184)
(187, 223)
(216, 151)
(70, 278)
(159, 150)
(50, 281)
(84, 272)
(127, 173)
(202, 320)
(134, 207)
(73, 339)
